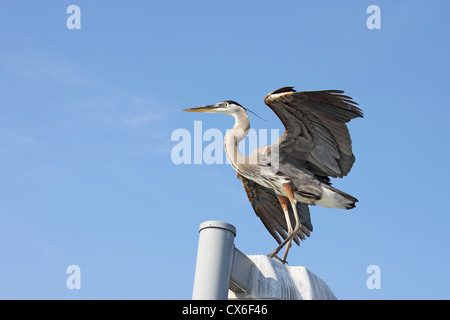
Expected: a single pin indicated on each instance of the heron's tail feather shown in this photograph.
(334, 198)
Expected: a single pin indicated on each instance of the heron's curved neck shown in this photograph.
(236, 135)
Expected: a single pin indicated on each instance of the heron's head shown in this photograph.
(227, 107)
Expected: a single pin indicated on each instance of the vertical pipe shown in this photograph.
(214, 259)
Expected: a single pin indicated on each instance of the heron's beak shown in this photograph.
(210, 108)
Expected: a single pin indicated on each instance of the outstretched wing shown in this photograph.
(316, 136)
(268, 209)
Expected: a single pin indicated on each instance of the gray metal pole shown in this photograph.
(214, 259)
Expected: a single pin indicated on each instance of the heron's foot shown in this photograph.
(276, 257)
(274, 253)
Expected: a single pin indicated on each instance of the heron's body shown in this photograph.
(308, 188)
(296, 168)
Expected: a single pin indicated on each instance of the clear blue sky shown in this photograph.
(86, 118)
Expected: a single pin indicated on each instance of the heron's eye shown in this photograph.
(224, 104)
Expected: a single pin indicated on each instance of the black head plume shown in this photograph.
(234, 102)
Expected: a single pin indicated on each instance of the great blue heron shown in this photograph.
(297, 167)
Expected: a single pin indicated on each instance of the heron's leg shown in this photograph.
(290, 193)
(284, 205)
(291, 232)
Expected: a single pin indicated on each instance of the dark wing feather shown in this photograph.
(268, 209)
(316, 137)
